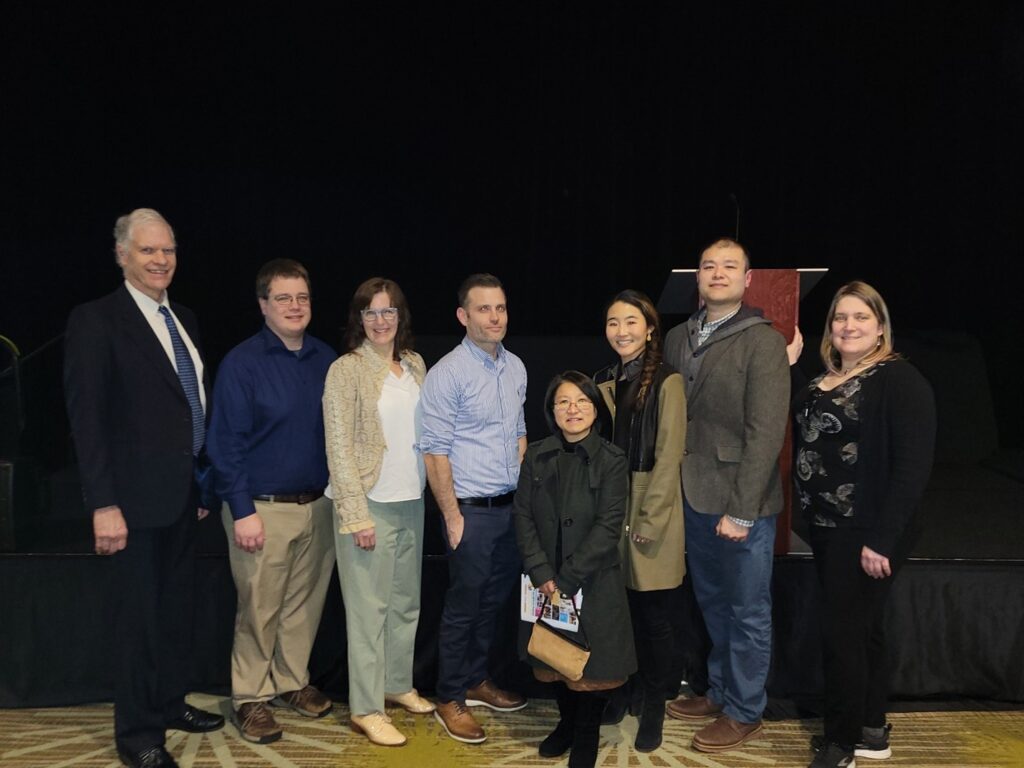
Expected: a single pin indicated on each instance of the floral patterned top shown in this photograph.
(826, 456)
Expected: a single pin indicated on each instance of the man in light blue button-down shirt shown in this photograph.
(474, 437)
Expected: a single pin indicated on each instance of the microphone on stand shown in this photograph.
(736, 204)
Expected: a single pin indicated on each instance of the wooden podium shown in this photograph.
(777, 293)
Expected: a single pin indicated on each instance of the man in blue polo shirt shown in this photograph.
(266, 442)
(474, 437)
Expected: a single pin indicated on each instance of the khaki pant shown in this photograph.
(281, 592)
(381, 589)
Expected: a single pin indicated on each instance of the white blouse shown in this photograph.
(402, 474)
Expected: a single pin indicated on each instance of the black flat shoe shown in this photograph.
(196, 721)
(153, 757)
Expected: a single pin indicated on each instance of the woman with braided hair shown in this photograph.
(648, 417)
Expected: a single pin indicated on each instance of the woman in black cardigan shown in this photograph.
(864, 439)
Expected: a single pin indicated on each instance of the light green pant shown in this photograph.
(381, 590)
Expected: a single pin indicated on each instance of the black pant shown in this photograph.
(853, 633)
(152, 589)
(651, 614)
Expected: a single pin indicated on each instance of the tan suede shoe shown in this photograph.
(377, 728)
(410, 701)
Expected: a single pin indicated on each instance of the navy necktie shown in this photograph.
(189, 381)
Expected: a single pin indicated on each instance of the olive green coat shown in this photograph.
(590, 515)
(656, 497)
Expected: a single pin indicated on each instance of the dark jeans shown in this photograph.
(153, 589)
(482, 572)
(852, 614)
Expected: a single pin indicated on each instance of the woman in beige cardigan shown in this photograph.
(648, 416)
(371, 420)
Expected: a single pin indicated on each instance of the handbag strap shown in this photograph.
(582, 632)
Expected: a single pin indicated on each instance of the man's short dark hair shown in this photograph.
(479, 280)
(278, 268)
(726, 242)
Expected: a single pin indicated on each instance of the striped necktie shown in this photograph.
(189, 382)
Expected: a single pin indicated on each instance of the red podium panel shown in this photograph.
(777, 293)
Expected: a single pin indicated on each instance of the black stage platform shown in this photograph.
(956, 617)
(956, 624)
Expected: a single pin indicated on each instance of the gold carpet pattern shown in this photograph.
(82, 736)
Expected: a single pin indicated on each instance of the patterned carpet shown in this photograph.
(81, 736)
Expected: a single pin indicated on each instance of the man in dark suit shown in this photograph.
(134, 385)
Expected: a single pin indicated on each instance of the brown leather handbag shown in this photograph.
(563, 654)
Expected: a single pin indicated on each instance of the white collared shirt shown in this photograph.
(151, 311)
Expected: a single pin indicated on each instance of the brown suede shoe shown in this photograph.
(459, 722)
(256, 723)
(699, 708)
(725, 733)
(307, 701)
(487, 694)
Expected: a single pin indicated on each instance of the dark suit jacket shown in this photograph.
(129, 415)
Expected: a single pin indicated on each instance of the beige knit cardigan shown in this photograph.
(353, 430)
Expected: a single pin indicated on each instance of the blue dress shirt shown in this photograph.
(473, 414)
(266, 434)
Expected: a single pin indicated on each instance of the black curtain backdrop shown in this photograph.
(570, 151)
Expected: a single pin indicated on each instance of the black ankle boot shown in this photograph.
(618, 702)
(587, 735)
(652, 719)
(560, 739)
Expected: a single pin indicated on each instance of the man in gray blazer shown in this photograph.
(736, 375)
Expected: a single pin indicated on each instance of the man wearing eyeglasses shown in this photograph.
(266, 442)
(474, 438)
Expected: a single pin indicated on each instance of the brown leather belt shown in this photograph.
(291, 498)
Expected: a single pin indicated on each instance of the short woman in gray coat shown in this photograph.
(569, 510)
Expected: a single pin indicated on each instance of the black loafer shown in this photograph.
(196, 721)
(153, 757)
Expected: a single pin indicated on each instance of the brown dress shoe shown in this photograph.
(725, 733)
(699, 708)
(459, 722)
(410, 701)
(307, 701)
(256, 723)
(487, 694)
